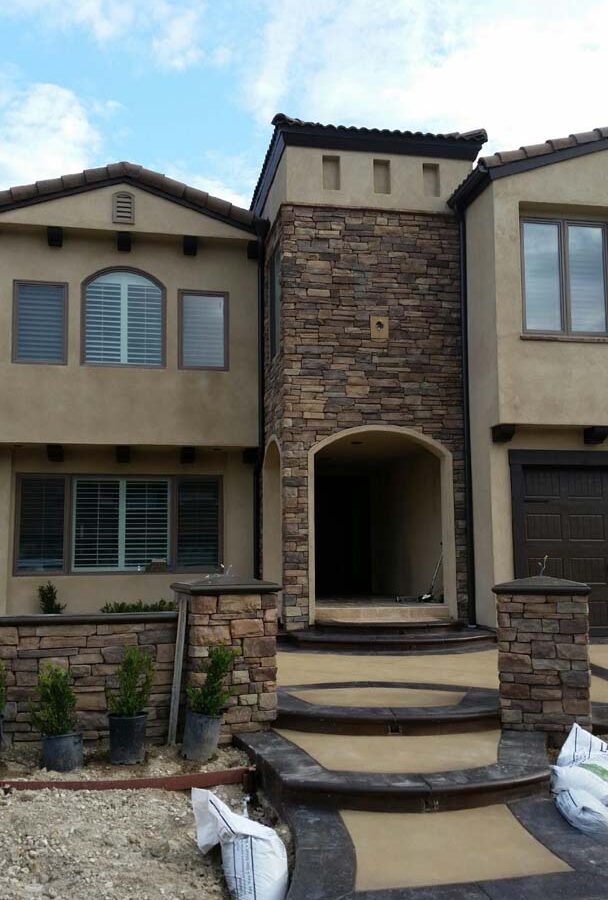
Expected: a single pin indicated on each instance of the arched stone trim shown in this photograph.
(448, 532)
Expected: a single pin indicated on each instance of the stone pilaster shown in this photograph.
(543, 655)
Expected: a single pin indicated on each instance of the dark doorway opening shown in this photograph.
(343, 535)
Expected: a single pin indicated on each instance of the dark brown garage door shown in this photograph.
(562, 512)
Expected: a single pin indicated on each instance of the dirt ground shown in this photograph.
(110, 845)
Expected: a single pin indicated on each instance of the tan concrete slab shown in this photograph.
(379, 696)
(371, 613)
(413, 850)
(598, 654)
(398, 753)
(475, 669)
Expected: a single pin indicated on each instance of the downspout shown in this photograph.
(257, 473)
(468, 470)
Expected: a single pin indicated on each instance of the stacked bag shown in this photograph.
(579, 781)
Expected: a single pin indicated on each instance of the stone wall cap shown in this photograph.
(542, 584)
(88, 618)
(217, 586)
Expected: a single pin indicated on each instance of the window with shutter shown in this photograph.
(123, 320)
(40, 323)
(41, 524)
(198, 523)
(203, 331)
(120, 523)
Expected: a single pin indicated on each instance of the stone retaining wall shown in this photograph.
(543, 655)
(91, 647)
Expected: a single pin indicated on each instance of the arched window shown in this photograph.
(123, 320)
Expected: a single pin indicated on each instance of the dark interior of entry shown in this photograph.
(343, 535)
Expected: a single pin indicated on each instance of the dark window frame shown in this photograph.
(182, 292)
(17, 282)
(563, 223)
(70, 478)
(163, 332)
(41, 476)
(274, 303)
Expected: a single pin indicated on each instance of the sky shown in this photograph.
(189, 87)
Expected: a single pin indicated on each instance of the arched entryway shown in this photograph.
(381, 515)
(272, 530)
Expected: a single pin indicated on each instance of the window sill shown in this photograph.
(567, 338)
(87, 573)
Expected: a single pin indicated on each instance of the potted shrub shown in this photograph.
(126, 705)
(2, 698)
(206, 704)
(55, 718)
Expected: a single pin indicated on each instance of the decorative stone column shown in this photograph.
(543, 655)
(244, 616)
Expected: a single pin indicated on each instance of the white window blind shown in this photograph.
(123, 320)
(41, 519)
(203, 331)
(40, 325)
(120, 523)
(198, 523)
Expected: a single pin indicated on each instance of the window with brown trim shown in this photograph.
(117, 524)
(41, 509)
(123, 316)
(203, 330)
(40, 322)
(564, 277)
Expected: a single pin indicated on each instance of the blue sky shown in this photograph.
(189, 87)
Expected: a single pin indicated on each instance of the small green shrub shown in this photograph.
(139, 607)
(134, 684)
(47, 594)
(210, 698)
(2, 686)
(55, 712)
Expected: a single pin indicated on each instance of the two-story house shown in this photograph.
(389, 373)
(128, 386)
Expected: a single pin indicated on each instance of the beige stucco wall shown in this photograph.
(299, 179)
(127, 405)
(87, 593)
(406, 526)
(550, 389)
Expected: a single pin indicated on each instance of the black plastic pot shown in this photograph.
(201, 736)
(62, 752)
(127, 739)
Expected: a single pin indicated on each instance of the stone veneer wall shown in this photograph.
(91, 647)
(339, 266)
(248, 623)
(543, 655)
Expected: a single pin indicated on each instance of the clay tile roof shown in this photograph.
(287, 130)
(177, 191)
(530, 155)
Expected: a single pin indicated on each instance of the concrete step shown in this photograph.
(392, 639)
(387, 613)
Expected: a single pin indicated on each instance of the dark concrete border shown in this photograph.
(289, 774)
(453, 640)
(64, 620)
(477, 710)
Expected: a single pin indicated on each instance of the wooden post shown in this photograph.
(176, 688)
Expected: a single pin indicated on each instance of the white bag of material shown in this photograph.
(253, 856)
(584, 812)
(579, 746)
(590, 776)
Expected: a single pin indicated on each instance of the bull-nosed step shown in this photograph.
(393, 639)
(478, 710)
(288, 774)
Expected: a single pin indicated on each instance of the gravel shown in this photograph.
(110, 845)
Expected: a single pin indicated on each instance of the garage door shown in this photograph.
(562, 512)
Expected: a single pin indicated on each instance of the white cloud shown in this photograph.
(170, 29)
(230, 178)
(45, 131)
(525, 71)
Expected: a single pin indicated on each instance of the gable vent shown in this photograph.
(123, 208)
